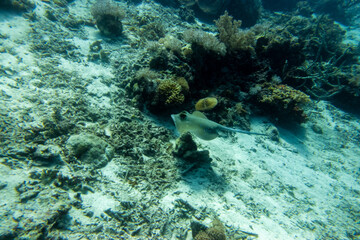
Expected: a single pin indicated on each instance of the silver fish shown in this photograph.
(199, 125)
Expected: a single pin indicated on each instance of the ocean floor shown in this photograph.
(124, 183)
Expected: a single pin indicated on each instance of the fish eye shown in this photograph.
(183, 115)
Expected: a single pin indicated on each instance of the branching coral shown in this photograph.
(230, 34)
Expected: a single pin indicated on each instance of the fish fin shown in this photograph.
(199, 114)
(204, 134)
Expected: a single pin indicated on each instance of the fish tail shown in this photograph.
(243, 131)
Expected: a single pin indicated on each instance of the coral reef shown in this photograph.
(149, 27)
(158, 95)
(280, 48)
(172, 43)
(108, 16)
(80, 160)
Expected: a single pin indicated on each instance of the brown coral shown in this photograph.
(205, 104)
(231, 35)
(183, 83)
(170, 93)
(284, 102)
(215, 232)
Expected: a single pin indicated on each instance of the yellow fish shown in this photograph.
(199, 125)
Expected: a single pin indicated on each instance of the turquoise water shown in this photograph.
(88, 148)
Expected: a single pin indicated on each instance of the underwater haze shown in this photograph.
(180, 119)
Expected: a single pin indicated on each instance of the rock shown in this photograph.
(273, 133)
(90, 149)
(47, 154)
(186, 148)
(2, 185)
(317, 129)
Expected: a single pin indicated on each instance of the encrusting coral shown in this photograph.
(284, 102)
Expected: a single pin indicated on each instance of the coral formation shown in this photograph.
(205, 40)
(205, 104)
(170, 93)
(231, 35)
(171, 43)
(108, 16)
(90, 149)
(153, 30)
(215, 232)
(284, 102)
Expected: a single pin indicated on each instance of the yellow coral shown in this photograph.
(284, 94)
(205, 104)
(170, 93)
(183, 83)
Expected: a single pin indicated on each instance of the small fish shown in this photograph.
(198, 124)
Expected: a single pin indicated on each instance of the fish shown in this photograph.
(199, 125)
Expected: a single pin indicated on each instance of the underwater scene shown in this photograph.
(180, 119)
